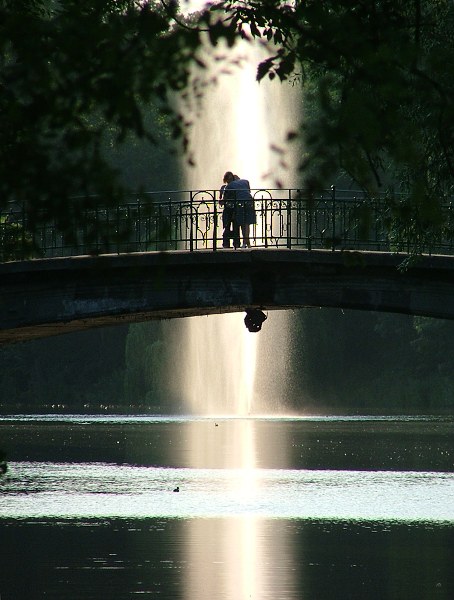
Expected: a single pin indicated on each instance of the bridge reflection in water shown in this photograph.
(192, 220)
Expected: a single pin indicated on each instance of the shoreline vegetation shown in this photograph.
(340, 362)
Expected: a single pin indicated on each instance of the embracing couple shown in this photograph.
(238, 210)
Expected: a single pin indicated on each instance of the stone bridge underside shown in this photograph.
(40, 298)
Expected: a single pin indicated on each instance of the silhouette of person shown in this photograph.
(229, 224)
(237, 192)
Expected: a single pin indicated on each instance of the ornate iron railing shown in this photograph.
(192, 220)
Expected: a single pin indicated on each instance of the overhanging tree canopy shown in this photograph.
(379, 89)
(70, 72)
(379, 80)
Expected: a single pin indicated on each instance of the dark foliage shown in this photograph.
(365, 361)
(74, 74)
(378, 94)
(65, 371)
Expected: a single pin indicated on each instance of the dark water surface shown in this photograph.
(269, 508)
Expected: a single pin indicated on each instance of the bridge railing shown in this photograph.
(192, 220)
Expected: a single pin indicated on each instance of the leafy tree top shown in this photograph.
(72, 71)
(379, 95)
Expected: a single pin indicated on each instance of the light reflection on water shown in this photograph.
(81, 490)
(268, 507)
(143, 418)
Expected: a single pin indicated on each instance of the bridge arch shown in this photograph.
(45, 297)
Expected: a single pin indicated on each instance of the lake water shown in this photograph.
(267, 508)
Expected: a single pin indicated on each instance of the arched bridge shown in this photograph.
(50, 296)
(161, 259)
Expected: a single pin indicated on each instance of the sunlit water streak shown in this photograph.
(100, 490)
(233, 130)
(138, 418)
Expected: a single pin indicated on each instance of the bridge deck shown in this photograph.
(51, 296)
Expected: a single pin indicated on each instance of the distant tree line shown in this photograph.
(340, 361)
(368, 361)
(70, 370)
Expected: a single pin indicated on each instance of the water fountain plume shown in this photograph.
(234, 128)
(238, 125)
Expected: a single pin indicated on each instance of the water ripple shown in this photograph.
(105, 490)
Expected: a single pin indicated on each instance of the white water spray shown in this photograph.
(238, 122)
(239, 126)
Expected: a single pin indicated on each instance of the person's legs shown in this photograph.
(227, 215)
(236, 233)
(245, 233)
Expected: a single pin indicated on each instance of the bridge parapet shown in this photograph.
(192, 220)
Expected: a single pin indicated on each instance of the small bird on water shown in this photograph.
(177, 489)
